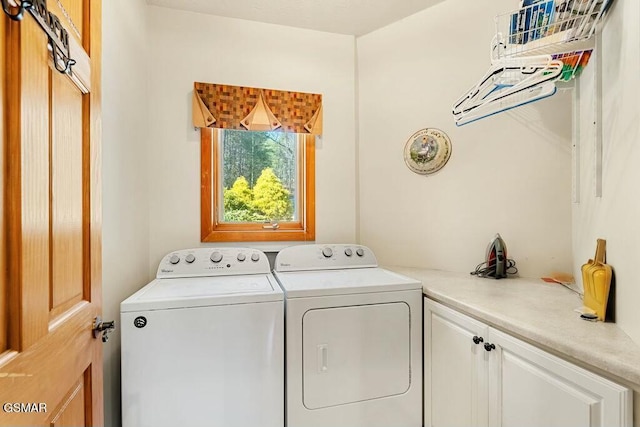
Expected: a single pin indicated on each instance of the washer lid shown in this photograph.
(203, 291)
(298, 284)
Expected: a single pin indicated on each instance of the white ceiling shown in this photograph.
(356, 17)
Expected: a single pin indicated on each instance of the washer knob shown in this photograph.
(327, 252)
(241, 257)
(216, 257)
(174, 259)
(190, 258)
(360, 252)
(348, 252)
(255, 257)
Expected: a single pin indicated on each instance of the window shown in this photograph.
(257, 186)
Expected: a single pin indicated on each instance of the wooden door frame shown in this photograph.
(92, 176)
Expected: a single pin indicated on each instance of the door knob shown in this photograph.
(489, 347)
(477, 339)
(102, 327)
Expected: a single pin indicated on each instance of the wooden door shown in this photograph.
(50, 364)
(455, 368)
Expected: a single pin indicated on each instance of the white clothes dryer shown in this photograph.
(353, 334)
(203, 344)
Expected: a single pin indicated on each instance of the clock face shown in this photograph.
(427, 151)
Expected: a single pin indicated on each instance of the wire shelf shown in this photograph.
(547, 27)
(541, 46)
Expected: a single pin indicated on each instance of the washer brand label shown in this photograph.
(140, 322)
(284, 264)
(165, 270)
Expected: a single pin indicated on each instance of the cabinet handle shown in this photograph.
(477, 339)
(489, 347)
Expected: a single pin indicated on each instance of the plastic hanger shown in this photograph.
(507, 77)
(508, 83)
(531, 94)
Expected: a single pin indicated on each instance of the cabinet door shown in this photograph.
(530, 387)
(455, 368)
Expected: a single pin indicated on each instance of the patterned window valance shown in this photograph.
(248, 108)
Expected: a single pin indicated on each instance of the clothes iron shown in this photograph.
(496, 259)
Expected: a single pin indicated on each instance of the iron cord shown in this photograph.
(484, 269)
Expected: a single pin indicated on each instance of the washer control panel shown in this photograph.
(324, 257)
(203, 262)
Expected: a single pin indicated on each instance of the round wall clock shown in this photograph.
(427, 151)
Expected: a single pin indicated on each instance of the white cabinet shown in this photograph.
(455, 369)
(476, 375)
(530, 387)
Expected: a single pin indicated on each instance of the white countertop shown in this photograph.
(538, 312)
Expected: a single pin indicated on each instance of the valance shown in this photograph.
(247, 108)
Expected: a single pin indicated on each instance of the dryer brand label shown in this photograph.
(140, 322)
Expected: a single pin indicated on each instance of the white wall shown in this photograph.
(185, 47)
(125, 231)
(509, 173)
(615, 216)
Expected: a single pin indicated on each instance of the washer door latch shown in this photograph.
(104, 328)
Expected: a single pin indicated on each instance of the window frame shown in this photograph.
(214, 230)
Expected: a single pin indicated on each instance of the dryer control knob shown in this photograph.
(360, 252)
(255, 257)
(241, 257)
(348, 252)
(216, 257)
(327, 252)
(174, 259)
(190, 258)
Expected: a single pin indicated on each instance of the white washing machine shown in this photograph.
(203, 344)
(353, 339)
